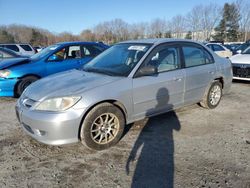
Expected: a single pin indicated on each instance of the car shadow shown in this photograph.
(153, 151)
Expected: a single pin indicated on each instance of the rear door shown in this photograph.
(161, 91)
(199, 71)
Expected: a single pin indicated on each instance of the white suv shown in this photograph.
(21, 49)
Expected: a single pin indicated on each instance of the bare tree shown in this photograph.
(202, 19)
(138, 30)
(87, 35)
(211, 15)
(178, 26)
(157, 28)
(244, 7)
(193, 21)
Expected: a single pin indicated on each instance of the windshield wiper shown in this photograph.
(100, 71)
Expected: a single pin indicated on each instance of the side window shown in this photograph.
(165, 59)
(208, 57)
(59, 55)
(91, 51)
(74, 52)
(5, 55)
(26, 47)
(218, 48)
(12, 47)
(210, 46)
(86, 51)
(193, 56)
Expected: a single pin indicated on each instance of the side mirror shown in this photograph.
(238, 51)
(54, 58)
(147, 71)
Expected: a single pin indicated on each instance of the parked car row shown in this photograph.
(220, 50)
(229, 49)
(7, 53)
(127, 82)
(20, 49)
(16, 74)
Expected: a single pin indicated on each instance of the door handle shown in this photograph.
(211, 72)
(177, 79)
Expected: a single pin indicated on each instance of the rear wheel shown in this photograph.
(102, 127)
(23, 84)
(213, 96)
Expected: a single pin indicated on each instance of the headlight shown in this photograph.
(58, 104)
(4, 73)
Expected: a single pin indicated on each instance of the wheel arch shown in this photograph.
(111, 101)
(20, 78)
(221, 80)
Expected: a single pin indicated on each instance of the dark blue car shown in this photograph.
(16, 74)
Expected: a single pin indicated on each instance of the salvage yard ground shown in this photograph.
(191, 147)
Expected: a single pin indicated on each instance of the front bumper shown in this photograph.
(7, 87)
(52, 128)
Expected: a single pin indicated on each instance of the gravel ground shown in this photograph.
(191, 147)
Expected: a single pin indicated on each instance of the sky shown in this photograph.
(76, 15)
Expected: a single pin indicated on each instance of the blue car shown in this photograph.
(16, 74)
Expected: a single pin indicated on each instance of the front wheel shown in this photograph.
(102, 127)
(213, 96)
(23, 84)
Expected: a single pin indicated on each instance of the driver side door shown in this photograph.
(67, 58)
(164, 90)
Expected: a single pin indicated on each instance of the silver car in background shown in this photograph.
(127, 82)
(241, 65)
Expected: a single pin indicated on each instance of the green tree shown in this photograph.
(228, 28)
(188, 35)
(5, 37)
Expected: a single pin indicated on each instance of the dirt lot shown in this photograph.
(192, 147)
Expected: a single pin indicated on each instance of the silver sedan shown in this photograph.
(128, 82)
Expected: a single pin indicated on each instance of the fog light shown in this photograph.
(39, 132)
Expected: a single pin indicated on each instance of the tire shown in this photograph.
(102, 127)
(213, 96)
(23, 84)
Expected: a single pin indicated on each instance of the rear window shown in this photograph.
(195, 56)
(26, 47)
(218, 48)
(12, 47)
(91, 51)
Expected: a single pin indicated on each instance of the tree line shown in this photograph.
(229, 23)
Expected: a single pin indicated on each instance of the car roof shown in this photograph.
(156, 41)
(78, 42)
(15, 44)
(214, 43)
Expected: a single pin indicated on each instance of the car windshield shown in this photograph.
(44, 52)
(246, 51)
(242, 47)
(119, 60)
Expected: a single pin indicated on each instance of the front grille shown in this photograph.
(241, 71)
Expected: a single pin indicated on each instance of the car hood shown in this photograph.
(68, 83)
(7, 63)
(241, 59)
